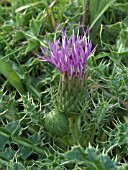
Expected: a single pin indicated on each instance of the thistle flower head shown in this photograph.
(69, 55)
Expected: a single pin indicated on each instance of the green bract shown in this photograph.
(71, 94)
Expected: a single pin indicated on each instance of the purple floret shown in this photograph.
(70, 55)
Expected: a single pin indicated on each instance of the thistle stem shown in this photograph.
(74, 123)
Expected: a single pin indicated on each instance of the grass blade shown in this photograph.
(103, 6)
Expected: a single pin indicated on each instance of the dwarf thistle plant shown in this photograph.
(69, 55)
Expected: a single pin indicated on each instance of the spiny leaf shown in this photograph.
(17, 166)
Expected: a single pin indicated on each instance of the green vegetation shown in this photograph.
(28, 86)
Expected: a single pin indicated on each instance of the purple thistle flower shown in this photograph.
(70, 55)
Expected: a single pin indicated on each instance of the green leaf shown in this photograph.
(76, 155)
(35, 138)
(17, 166)
(32, 44)
(22, 19)
(123, 7)
(118, 136)
(7, 28)
(115, 28)
(3, 141)
(25, 152)
(7, 154)
(19, 35)
(97, 161)
(125, 21)
(91, 158)
(14, 127)
(102, 55)
(35, 25)
(124, 37)
(11, 76)
(120, 50)
(107, 163)
(101, 70)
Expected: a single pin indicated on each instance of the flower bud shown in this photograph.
(56, 123)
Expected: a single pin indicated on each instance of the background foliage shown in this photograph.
(26, 85)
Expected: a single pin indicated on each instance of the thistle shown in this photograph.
(69, 56)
